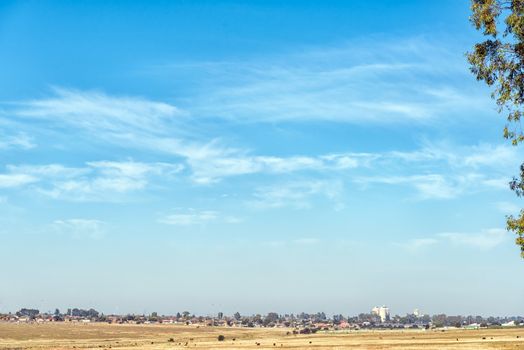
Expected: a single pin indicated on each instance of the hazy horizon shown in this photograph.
(259, 156)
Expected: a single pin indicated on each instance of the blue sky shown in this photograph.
(251, 156)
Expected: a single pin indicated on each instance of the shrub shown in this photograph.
(221, 337)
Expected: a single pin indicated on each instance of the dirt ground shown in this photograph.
(98, 336)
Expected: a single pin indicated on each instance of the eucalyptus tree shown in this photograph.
(499, 62)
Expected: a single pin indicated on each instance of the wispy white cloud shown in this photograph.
(17, 141)
(156, 126)
(96, 181)
(428, 186)
(190, 217)
(133, 169)
(130, 122)
(441, 171)
(298, 195)
(507, 208)
(96, 111)
(444, 171)
(485, 239)
(80, 228)
(437, 186)
(15, 180)
(213, 169)
(434, 172)
(461, 156)
(486, 155)
(418, 244)
(233, 219)
(387, 82)
(48, 171)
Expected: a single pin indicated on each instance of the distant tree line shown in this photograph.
(91, 313)
(304, 322)
(31, 313)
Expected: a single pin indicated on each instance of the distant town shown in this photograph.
(378, 318)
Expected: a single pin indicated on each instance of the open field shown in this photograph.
(96, 336)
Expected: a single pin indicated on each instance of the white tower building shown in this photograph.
(382, 312)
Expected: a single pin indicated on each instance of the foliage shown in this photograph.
(91, 313)
(499, 62)
(28, 312)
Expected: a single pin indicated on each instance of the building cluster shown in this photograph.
(379, 317)
(382, 312)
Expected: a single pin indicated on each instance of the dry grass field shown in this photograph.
(99, 336)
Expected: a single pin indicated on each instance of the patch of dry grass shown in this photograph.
(105, 336)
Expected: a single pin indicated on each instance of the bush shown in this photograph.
(221, 337)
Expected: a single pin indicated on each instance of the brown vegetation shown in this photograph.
(105, 336)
